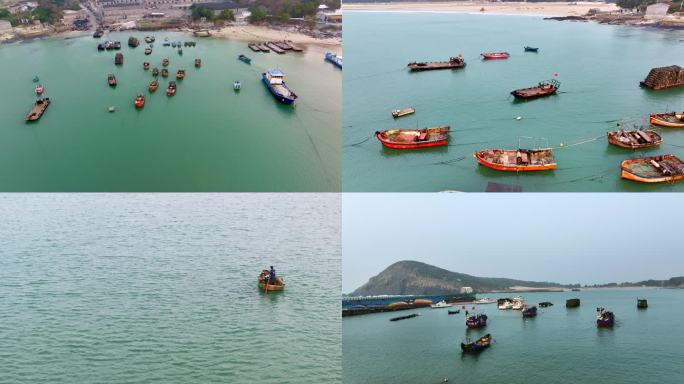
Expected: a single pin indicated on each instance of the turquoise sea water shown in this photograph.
(162, 288)
(560, 345)
(599, 67)
(205, 138)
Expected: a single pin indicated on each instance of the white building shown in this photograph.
(5, 26)
(656, 11)
(466, 290)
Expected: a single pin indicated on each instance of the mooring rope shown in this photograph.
(584, 141)
(360, 142)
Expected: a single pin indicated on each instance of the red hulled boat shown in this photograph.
(494, 55)
(139, 101)
(517, 160)
(414, 138)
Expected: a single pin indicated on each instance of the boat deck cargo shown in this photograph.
(274, 80)
(664, 77)
(452, 63)
(402, 112)
(517, 160)
(269, 286)
(572, 303)
(38, 109)
(414, 138)
(655, 169)
(634, 139)
(544, 88)
(672, 120)
(478, 345)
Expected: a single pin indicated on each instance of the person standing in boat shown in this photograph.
(272, 276)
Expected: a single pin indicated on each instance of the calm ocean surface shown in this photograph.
(162, 289)
(205, 138)
(599, 67)
(558, 346)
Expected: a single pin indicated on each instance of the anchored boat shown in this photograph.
(148, 51)
(198, 63)
(655, 169)
(476, 321)
(118, 58)
(153, 86)
(456, 312)
(530, 311)
(254, 47)
(334, 59)
(452, 63)
(634, 139)
(414, 138)
(494, 55)
(237, 85)
(165, 61)
(441, 304)
(180, 74)
(604, 318)
(111, 80)
(155, 72)
(404, 317)
(165, 72)
(139, 101)
(478, 345)
(517, 160)
(38, 109)
(274, 80)
(544, 88)
(245, 59)
(267, 285)
(146, 65)
(531, 49)
(672, 120)
(171, 89)
(402, 112)
(133, 42)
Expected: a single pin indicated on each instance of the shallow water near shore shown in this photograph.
(560, 345)
(141, 288)
(205, 138)
(599, 67)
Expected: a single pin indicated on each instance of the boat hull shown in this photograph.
(288, 100)
(656, 140)
(271, 287)
(442, 136)
(650, 174)
(513, 168)
(658, 119)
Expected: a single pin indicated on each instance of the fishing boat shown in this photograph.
(544, 88)
(518, 303)
(245, 59)
(484, 300)
(36, 79)
(441, 304)
(198, 63)
(133, 42)
(642, 303)
(672, 120)
(98, 33)
(116, 45)
(146, 65)
(274, 80)
(101, 47)
(517, 160)
(456, 312)
(283, 45)
(476, 321)
(165, 61)
(270, 286)
(477, 345)
(604, 318)
(529, 311)
(404, 317)
(572, 303)
(148, 51)
(38, 109)
(505, 304)
(173, 44)
(139, 101)
(452, 63)
(165, 72)
(545, 304)
(154, 84)
(118, 58)
(402, 112)
(275, 48)
(180, 74)
(109, 45)
(655, 169)
(149, 39)
(414, 138)
(171, 89)
(39, 89)
(237, 85)
(336, 60)
(111, 80)
(531, 49)
(634, 139)
(155, 72)
(166, 42)
(180, 51)
(254, 47)
(494, 55)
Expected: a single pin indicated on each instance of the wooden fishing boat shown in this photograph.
(274, 80)
(39, 89)
(116, 45)
(165, 72)
(198, 63)
(101, 47)
(531, 49)
(517, 160)
(139, 101)
(477, 345)
(111, 80)
(572, 303)
(270, 286)
(642, 303)
(495, 55)
(452, 63)
(180, 74)
(411, 316)
(264, 48)
(118, 58)
(672, 120)
(171, 89)
(133, 42)
(38, 109)
(165, 61)
(153, 86)
(604, 318)
(655, 169)
(635, 138)
(544, 88)
(146, 65)
(294, 47)
(529, 311)
(245, 59)
(149, 39)
(155, 72)
(148, 51)
(254, 47)
(109, 45)
(402, 112)
(414, 138)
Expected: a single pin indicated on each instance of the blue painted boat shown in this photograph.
(275, 83)
(245, 59)
(332, 58)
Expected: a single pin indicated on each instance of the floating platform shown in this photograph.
(452, 63)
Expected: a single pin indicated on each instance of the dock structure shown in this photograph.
(664, 77)
(353, 306)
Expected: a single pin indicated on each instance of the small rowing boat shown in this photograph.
(402, 112)
(404, 317)
(267, 285)
(634, 139)
(111, 80)
(245, 59)
(531, 49)
(38, 109)
(544, 88)
(180, 74)
(414, 138)
(456, 312)
(495, 55)
(655, 169)
(672, 120)
(171, 89)
(153, 86)
(139, 101)
(254, 47)
(516, 160)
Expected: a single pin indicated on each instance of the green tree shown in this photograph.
(4, 13)
(198, 12)
(259, 13)
(226, 14)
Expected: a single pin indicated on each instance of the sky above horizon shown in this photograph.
(582, 238)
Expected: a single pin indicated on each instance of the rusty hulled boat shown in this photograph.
(111, 80)
(118, 58)
(38, 109)
(139, 101)
(414, 138)
(517, 160)
(655, 169)
(153, 86)
(171, 89)
(180, 74)
(634, 139)
(452, 63)
(544, 88)
(671, 120)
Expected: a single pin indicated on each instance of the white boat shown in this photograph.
(237, 85)
(518, 303)
(484, 300)
(506, 305)
(441, 304)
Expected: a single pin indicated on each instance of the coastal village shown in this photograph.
(24, 19)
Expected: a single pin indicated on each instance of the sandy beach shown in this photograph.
(546, 9)
(260, 33)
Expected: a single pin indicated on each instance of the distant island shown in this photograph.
(417, 278)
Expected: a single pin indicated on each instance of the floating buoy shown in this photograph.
(519, 118)
(562, 145)
(111, 109)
